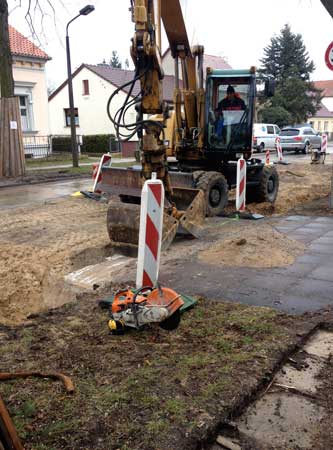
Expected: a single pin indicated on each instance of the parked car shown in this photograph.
(299, 139)
(264, 136)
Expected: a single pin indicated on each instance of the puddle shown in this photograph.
(288, 415)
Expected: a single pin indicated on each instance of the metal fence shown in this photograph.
(48, 147)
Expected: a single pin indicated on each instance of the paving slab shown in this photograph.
(305, 379)
(324, 240)
(322, 273)
(99, 275)
(280, 419)
(321, 344)
(315, 290)
(320, 248)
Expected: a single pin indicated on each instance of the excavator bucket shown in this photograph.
(123, 219)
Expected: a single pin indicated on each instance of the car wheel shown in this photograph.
(306, 148)
(262, 147)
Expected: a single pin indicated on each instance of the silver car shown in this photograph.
(299, 139)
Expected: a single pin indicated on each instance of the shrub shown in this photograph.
(61, 144)
(99, 143)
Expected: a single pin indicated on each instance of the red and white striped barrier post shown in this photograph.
(241, 185)
(97, 170)
(150, 235)
(267, 162)
(324, 144)
(279, 149)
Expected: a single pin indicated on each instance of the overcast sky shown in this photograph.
(238, 30)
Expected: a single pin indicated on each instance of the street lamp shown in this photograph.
(83, 12)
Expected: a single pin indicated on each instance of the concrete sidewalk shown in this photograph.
(306, 285)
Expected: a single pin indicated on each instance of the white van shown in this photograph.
(264, 136)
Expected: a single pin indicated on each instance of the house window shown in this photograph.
(25, 111)
(85, 85)
(319, 125)
(325, 126)
(68, 117)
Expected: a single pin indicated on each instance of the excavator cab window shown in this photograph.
(229, 112)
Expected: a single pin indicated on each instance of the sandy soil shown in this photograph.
(299, 184)
(260, 246)
(40, 244)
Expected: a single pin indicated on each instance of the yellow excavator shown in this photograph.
(194, 146)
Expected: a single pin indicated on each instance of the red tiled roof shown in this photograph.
(21, 46)
(326, 86)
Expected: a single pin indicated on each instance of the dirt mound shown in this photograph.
(38, 246)
(258, 247)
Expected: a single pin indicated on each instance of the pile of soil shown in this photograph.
(38, 246)
(256, 246)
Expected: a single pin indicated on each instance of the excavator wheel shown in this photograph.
(215, 187)
(267, 189)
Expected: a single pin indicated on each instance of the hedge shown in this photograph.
(99, 143)
(94, 143)
(61, 144)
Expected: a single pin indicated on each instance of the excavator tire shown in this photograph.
(267, 189)
(215, 187)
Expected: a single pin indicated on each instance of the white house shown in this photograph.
(30, 84)
(92, 86)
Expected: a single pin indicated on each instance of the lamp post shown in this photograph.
(83, 12)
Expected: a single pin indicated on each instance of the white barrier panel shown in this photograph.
(267, 162)
(279, 149)
(241, 185)
(150, 235)
(324, 143)
(97, 170)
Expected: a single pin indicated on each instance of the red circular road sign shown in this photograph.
(329, 56)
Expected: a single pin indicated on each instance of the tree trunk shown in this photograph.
(6, 73)
(12, 162)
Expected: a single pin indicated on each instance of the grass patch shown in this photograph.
(143, 390)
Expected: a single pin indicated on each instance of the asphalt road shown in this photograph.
(294, 158)
(18, 196)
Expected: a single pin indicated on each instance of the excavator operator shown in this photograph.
(232, 101)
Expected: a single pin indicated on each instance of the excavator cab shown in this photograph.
(230, 96)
